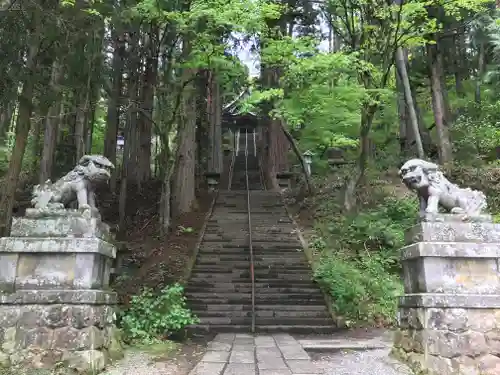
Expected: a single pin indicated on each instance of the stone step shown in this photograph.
(258, 265)
(260, 290)
(274, 244)
(270, 299)
(247, 283)
(203, 329)
(242, 261)
(262, 309)
(223, 320)
(291, 321)
(222, 313)
(278, 247)
(196, 280)
(259, 275)
(198, 306)
(224, 252)
(236, 320)
(323, 314)
(297, 328)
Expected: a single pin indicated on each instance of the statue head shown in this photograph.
(95, 168)
(417, 173)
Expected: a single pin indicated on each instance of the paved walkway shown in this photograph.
(243, 354)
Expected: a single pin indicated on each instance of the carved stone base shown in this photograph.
(59, 263)
(449, 317)
(455, 218)
(39, 329)
(450, 334)
(69, 223)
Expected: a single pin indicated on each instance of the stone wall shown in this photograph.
(55, 302)
(449, 317)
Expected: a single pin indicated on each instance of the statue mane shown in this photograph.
(434, 189)
(78, 184)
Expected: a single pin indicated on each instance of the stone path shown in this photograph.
(243, 354)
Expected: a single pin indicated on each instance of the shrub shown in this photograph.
(359, 266)
(485, 178)
(379, 230)
(359, 289)
(151, 317)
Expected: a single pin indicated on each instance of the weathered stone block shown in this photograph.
(449, 317)
(69, 226)
(446, 231)
(72, 326)
(55, 263)
(450, 274)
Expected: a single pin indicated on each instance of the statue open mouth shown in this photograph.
(412, 181)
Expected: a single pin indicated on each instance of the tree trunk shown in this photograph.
(51, 125)
(81, 115)
(6, 114)
(113, 115)
(457, 62)
(166, 191)
(146, 115)
(37, 145)
(95, 83)
(404, 134)
(405, 82)
(132, 94)
(297, 152)
(480, 72)
(439, 109)
(204, 135)
(215, 118)
(184, 196)
(364, 151)
(23, 125)
(122, 199)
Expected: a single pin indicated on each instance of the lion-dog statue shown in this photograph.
(78, 185)
(434, 190)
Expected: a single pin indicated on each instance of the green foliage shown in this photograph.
(477, 132)
(151, 317)
(381, 229)
(99, 129)
(321, 97)
(361, 289)
(359, 265)
(484, 177)
(184, 230)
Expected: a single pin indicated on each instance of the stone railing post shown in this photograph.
(449, 316)
(55, 302)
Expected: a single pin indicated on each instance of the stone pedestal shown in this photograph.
(55, 305)
(449, 317)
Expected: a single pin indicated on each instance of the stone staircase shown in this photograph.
(220, 288)
(286, 297)
(219, 291)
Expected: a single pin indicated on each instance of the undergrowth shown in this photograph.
(359, 264)
(153, 317)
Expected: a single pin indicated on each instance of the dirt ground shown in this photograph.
(152, 259)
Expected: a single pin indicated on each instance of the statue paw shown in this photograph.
(84, 207)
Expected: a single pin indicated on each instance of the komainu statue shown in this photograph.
(434, 190)
(78, 185)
